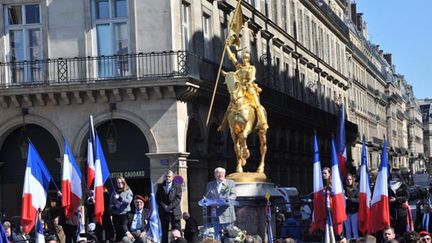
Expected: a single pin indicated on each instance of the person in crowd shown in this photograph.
(326, 175)
(209, 240)
(388, 234)
(10, 233)
(176, 237)
(280, 219)
(425, 237)
(400, 212)
(373, 174)
(249, 239)
(366, 239)
(222, 216)
(136, 225)
(352, 206)
(191, 228)
(23, 237)
(423, 220)
(411, 237)
(289, 240)
(120, 201)
(59, 230)
(168, 197)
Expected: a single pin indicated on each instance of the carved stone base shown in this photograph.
(247, 177)
(250, 212)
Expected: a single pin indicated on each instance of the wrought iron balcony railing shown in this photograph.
(91, 69)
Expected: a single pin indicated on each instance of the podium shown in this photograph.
(210, 202)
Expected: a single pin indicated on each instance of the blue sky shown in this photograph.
(403, 28)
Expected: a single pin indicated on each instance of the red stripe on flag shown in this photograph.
(90, 176)
(99, 203)
(70, 201)
(338, 212)
(364, 212)
(342, 165)
(319, 213)
(28, 213)
(379, 215)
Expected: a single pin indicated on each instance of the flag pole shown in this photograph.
(220, 64)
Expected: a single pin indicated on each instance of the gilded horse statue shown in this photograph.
(241, 117)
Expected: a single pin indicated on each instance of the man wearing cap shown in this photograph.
(168, 197)
(136, 225)
(425, 236)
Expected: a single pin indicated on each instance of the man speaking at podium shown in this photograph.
(221, 188)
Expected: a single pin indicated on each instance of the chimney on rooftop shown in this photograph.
(388, 58)
(354, 13)
(360, 21)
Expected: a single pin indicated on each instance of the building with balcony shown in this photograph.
(368, 101)
(416, 157)
(146, 69)
(426, 111)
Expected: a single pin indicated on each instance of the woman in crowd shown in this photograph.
(326, 175)
(120, 202)
(352, 205)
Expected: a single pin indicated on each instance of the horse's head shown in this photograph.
(233, 86)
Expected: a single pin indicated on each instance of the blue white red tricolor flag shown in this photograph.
(337, 195)
(365, 193)
(36, 183)
(340, 142)
(154, 231)
(90, 153)
(71, 183)
(39, 232)
(319, 211)
(329, 236)
(101, 175)
(380, 212)
(269, 222)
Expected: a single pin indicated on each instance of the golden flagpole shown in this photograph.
(235, 25)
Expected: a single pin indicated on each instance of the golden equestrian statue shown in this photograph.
(244, 114)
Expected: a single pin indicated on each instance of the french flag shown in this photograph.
(101, 175)
(71, 183)
(319, 205)
(340, 141)
(39, 232)
(337, 195)
(154, 231)
(36, 183)
(90, 153)
(380, 213)
(364, 194)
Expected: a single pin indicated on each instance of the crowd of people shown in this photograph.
(125, 218)
(404, 226)
(126, 215)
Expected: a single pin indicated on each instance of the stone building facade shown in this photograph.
(426, 111)
(146, 69)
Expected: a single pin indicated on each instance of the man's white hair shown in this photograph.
(169, 172)
(220, 169)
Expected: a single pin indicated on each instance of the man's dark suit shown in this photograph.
(130, 216)
(191, 230)
(169, 207)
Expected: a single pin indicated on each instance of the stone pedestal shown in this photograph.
(250, 212)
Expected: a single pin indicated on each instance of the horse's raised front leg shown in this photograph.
(243, 148)
(237, 150)
(262, 133)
